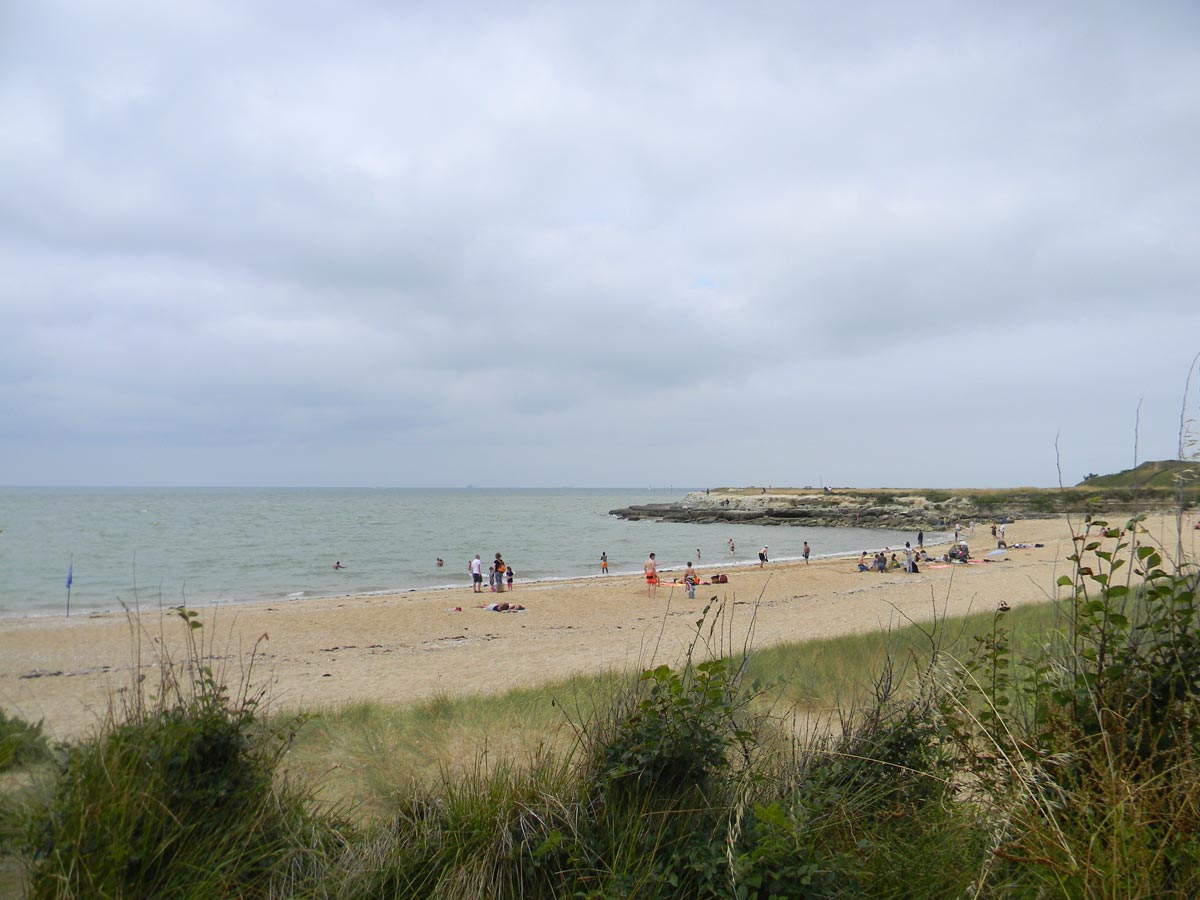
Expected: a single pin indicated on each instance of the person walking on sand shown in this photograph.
(762, 557)
(604, 563)
(806, 552)
(475, 567)
(651, 570)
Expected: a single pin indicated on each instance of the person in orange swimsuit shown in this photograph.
(651, 576)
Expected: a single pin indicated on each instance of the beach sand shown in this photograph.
(318, 654)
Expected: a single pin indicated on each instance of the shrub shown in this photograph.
(177, 801)
(679, 729)
(21, 743)
(676, 731)
(1089, 748)
(1044, 503)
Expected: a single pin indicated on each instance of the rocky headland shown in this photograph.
(891, 508)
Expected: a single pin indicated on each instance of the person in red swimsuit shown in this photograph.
(651, 576)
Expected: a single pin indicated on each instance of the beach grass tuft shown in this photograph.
(21, 743)
(177, 797)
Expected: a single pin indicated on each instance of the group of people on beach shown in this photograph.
(690, 576)
(880, 562)
(500, 574)
(959, 552)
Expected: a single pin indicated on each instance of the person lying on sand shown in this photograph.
(502, 607)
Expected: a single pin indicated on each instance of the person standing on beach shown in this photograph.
(651, 570)
(806, 552)
(604, 563)
(762, 557)
(921, 540)
(908, 557)
(475, 567)
(690, 579)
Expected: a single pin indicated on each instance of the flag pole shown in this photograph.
(70, 578)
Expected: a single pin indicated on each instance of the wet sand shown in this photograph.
(405, 647)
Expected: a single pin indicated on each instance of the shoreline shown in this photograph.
(9, 617)
(315, 654)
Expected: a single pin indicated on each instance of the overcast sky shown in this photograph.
(595, 244)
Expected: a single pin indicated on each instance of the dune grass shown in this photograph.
(360, 756)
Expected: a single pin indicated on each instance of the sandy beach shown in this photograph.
(315, 654)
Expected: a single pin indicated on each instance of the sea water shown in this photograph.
(197, 546)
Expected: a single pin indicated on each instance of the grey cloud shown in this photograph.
(360, 227)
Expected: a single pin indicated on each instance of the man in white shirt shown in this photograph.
(475, 567)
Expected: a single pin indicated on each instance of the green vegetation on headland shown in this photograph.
(1168, 474)
(1043, 752)
(1152, 486)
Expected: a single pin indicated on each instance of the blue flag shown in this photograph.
(70, 572)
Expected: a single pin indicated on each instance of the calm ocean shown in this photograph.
(203, 545)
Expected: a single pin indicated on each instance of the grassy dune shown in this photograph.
(359, 757)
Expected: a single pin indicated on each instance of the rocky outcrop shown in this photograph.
(901, 510)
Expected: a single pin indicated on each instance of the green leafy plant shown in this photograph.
(679, 728)
(1089, 748)
(677, 732)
